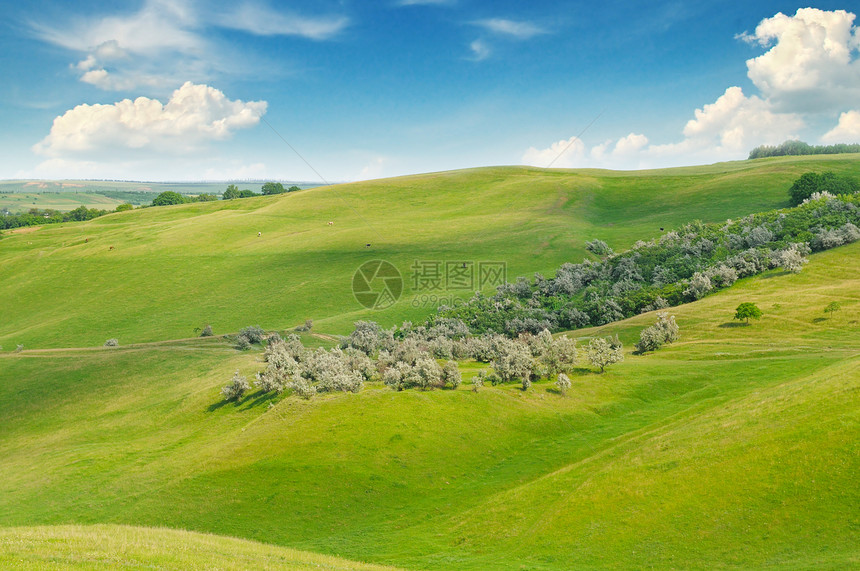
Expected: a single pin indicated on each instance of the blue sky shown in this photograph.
(188, 90)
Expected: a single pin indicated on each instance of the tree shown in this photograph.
(653, 337)
(167, 198)
(293, 188)
(747, 311)
(560, 355)
(231, 192)
(832, 308)
(811, 182)
(272, 188)
(238, 386)
(513, 360)
(563, 383)
(451, 374)
(604, 352)
(204, 197)
(247, 193)
(124, 207)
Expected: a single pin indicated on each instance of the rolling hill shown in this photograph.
(735, 447)
(160, 273)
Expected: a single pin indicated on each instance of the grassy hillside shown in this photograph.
(736, 447)
(63, 201)
(174, 269)
(113, 546)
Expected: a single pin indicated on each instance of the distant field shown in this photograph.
(173, 269)
(63, 201)
(19, 196)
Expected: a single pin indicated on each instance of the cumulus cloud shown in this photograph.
(723, 130)
(512, 28)
(812, 62)
(194, 116)
(810, 67)
(846, 131)
(566, 153)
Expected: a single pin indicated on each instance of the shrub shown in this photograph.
(513, 360)
(598, 248)
(563, 383)
(302, 388)
(451, 374)
(207, 331)
(111, 343)
(604, 352)
(792, 258)
(242, 343)
(478, 380)
(653, 337)
(19, 348)
(561, 355)
(699, 285)
(253, 333)
(428, 373)
(238, 386)
(308, 325)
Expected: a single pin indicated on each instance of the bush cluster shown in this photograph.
(653, 337)
(682, 265)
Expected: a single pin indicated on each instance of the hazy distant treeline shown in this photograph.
(789, 148)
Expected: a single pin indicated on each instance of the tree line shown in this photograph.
(792, 148)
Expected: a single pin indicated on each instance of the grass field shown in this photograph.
(174, 269)
(113, 547)
(737, 447)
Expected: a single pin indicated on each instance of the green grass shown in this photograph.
(113, 547)
(736, 447)
(173, 269)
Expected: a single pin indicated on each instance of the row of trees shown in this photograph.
(37, 217)
(682, 265)
(407, 357)
(800, 148)
(268, 188)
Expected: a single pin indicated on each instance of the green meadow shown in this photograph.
(736, 447)
(160, 273)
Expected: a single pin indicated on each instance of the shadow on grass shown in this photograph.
(251, 400)
(819, 320)
(732, 325)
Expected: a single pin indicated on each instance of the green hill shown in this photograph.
(159, 273)
(114, 546)
(736, 447)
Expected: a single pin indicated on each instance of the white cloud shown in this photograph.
(846, 131)
(566, 153)
(631, 144)
(164, 43)
(813, 64)
(480, 50)
(194, 116)
(724, 130)
(263, 21)
(512, 28)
